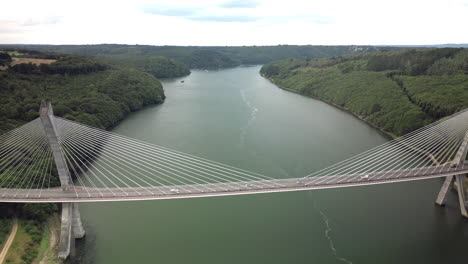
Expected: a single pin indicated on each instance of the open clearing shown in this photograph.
(31, 60)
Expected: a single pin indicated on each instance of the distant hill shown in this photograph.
(432, 46)
(211, 57)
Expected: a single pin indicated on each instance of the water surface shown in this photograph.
(236, 117)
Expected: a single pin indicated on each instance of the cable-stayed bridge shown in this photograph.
(52, 159)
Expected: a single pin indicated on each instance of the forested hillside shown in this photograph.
(80, 88)
(397, 91)
(158, 66)
(212, 57)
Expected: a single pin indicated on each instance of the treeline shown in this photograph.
(212, 57)
(420, 62)
(5, 58)
(396, 91)
(158, 66)
(67, 65)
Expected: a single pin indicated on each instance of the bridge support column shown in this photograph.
(71, 222)
(71, 229)
(66, 231)
(443, 191)
(78, 230)
(462, 194)
(458, 161)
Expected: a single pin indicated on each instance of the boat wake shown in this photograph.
(253, 116)
(328, 230)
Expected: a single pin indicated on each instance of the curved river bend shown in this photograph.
(236, 117)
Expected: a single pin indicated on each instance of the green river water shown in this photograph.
(236, 117)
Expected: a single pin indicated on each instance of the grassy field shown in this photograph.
(15, 53)
(27, 249)
(18, 248)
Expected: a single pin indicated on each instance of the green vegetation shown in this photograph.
(81, 88)
(44, 244)
(159, 67)
(31, 230)
(25, 245)
(5, 58)
(396, 91)
(48, 246)
(6, 222)
(211, 57)
(5, 229)
(15, 54)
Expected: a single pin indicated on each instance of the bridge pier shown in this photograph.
(458, 161)
(70, 230)
(462, 194)
(441, 198)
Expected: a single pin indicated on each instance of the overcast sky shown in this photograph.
(234, 22)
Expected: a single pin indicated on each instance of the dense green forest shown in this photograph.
(80, 88)
(211, 57)
(398, 91)
(158, 66)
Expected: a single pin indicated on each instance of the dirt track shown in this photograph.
(9, 241)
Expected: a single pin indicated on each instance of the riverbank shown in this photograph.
(387, 134)
(395, 97)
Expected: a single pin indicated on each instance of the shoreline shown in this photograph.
(386, 134)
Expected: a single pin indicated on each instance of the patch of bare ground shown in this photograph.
(31, 60)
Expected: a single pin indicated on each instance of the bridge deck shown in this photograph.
(86, 194)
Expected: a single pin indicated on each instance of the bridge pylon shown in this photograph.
(458, 161)
(71, 226)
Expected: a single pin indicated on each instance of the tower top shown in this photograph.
(46, 108)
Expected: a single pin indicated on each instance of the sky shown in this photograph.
(234, 22)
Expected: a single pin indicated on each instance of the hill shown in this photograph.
(81, 88)
(158, 66)
(397, 91)
(210, 57)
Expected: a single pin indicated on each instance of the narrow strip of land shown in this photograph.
(9, 241)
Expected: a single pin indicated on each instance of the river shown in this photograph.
(236, 117)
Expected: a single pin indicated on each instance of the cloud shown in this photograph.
(50, 20)
(170, 11)
(8, 26)
(240, 4)
(240, 19)
(199, 14)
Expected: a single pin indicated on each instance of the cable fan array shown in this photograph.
(429, 150)
(99, 159)
(26, 160)
(105, 166)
